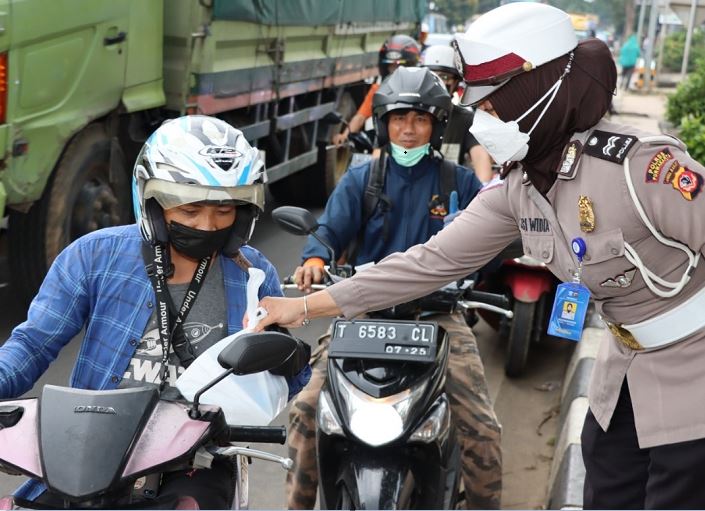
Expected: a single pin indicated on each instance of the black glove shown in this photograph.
(298, 359)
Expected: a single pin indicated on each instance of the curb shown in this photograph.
(567, 470)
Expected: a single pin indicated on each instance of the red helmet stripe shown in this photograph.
(493, 71)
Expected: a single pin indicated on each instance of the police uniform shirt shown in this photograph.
(667, 384)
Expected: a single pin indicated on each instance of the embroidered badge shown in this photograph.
(672, 169)
(609, 146)
(688, 182)
(570, 159)
(437, 207)
(624, 280)
(657, 164)
(586, 214)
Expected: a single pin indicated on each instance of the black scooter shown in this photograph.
(385, 438)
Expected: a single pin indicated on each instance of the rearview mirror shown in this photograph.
(298, 221)
(332, 118)
(256, 352)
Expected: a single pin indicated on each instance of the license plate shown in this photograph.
(384, 339)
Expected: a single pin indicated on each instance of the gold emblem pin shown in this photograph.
(527, 66)
(586, 214)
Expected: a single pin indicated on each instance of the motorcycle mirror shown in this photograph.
(298, 221)
(256, 352)
(361, 141)
(333, 118)
(248, 354)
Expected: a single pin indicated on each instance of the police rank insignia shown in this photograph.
(686, 181)
(570, 159)
(659, 161)
(586, 214)
(609, 146)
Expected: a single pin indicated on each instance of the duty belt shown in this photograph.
(666, 328)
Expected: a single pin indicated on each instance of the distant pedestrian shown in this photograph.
(628, 56)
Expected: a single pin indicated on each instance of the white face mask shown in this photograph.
(504, 140)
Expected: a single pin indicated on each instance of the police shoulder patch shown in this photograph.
(609, 146)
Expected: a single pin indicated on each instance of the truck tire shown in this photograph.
(313, 185)
(79, 198)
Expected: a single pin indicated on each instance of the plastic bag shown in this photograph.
(252, 399)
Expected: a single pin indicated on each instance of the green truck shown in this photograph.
(84, 82)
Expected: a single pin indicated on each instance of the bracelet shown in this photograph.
(306, 321)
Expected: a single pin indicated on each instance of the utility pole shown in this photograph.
(653, 17)
(640, 26)
(688, 38)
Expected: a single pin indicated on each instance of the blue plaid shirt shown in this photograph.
(100, 282)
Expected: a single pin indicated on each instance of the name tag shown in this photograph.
(569, 310)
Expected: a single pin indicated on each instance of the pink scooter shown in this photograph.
(93, 448)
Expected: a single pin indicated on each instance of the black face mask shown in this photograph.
(196, 243)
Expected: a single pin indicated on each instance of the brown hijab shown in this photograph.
(584, 97)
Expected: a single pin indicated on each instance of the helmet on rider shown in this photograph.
(198, 159)
(412, 88)
(507, 41)
(441, 60)
(398, 50)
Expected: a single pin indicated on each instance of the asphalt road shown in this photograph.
(527, 406)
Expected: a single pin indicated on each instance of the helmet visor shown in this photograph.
(172, 195)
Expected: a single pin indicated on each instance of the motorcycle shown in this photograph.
(532, 288)
(384, 433)
(98, 449)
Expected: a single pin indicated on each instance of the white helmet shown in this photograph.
(440, 57)
(197, 158)
(508, 41)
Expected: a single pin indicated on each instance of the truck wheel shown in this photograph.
(79, 198)
(335, 162)
(519, 338)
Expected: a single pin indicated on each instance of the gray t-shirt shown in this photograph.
(205, 325)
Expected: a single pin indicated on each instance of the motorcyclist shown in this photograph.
(197, 193)
(398, 50)
(410, 109)
(458, 143)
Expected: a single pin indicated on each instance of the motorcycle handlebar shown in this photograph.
(489, 298)
(259, 434)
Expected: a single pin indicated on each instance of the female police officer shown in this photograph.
(608, 208)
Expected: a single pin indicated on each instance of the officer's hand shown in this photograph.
(285, 312)
(449, 218)
(312, 272)
(340, 138)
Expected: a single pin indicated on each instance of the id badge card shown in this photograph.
(569, 310)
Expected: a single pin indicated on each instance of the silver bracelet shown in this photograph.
(306, 321)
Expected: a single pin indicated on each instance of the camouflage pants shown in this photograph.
(472, 412)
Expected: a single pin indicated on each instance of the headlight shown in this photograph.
(436, 422)
(326, 417)
(377, 421)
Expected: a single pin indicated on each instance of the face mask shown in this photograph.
(408, 157)
(196, 243)
(504, 140)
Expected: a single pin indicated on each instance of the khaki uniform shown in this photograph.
(471, 409)
(667, 384)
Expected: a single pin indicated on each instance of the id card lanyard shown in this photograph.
(571, 302)
(165, 307)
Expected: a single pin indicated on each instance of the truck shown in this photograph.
(83, 83)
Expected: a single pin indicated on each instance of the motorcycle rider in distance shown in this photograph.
(410, 112)
(398, 50)
(458, 143)
(197, 193)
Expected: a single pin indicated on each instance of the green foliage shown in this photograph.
(692, 132)
(689, 98)
(673, 50)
